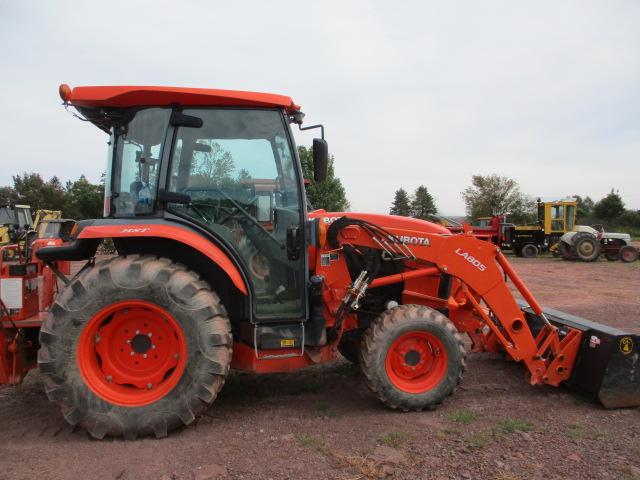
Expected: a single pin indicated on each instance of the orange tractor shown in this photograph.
(141, 343)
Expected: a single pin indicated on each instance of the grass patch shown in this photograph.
(575, 432)
(463, 416)
(447, 433)
(478, 440)
(512, 425)
(323, 409)
(393, 439)
(310, 441)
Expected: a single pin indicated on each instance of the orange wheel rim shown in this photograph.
(416, 362)
(132, 353)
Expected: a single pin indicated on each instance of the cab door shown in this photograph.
(238, 169)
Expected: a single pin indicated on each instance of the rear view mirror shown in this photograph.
(201, 147)
(181, 120)
(320, 159)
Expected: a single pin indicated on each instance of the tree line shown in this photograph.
(490, 195)
(79, 199)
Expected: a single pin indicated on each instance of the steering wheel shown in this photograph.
(233, 213)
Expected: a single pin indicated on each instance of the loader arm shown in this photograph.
(479, 301)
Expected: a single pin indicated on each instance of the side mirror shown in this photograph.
(320, 159)
(182, 120)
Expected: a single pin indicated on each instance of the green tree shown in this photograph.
(28, 187)
(631, 219)
(53, 195)
(423, 205)
(585, 207)
(214, 167)
(610, 207)
(523, 211)
(328, 195)
(83, 199)
(491, 195)
(401, 204)
(8, 196)
(32, 190)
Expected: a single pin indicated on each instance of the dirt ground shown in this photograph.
(324, 423)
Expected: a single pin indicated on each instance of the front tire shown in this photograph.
(350, 350)
(629, 254)
(565, 250)
(135, 345)
(530, 251)
(412, 357)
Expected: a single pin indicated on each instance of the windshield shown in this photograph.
(136, 165)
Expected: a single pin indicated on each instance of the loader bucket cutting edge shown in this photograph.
(608, 363)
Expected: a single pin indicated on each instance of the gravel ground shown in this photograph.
(324, 423)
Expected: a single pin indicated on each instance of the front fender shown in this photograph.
(178, 234)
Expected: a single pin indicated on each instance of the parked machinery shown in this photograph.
(554, 220)
(588, 243)
(15, 223)
(142, 343)
(493, 229)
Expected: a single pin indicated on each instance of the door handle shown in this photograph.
(294, 246)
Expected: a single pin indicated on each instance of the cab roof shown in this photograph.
(141, 96)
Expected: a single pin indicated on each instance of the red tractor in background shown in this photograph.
(198, 181)
(493, 229)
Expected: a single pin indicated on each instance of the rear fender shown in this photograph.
(177, 234)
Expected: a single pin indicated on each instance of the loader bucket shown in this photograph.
(607, 367)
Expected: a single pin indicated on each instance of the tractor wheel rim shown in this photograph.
(586, 248)
(627, 255)
(416, 362)
(132, 353)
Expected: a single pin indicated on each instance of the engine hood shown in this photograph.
(390, 222)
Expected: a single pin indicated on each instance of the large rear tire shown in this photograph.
(412, 357)
(135, 345)
(586, 247)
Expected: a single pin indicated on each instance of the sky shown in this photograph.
(410, 93)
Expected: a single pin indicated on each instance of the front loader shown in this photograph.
(219, 265)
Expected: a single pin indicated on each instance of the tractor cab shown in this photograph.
(557, 217)
(224, 164)
(14, 221)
